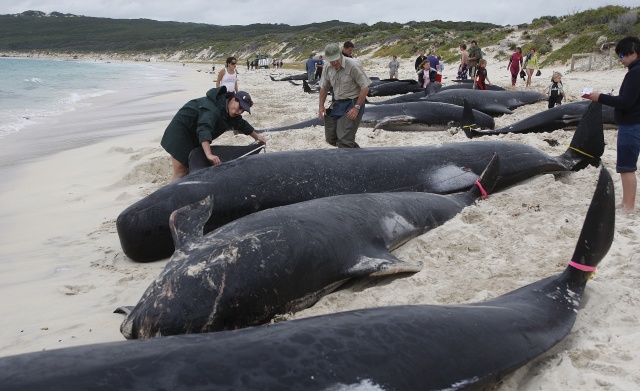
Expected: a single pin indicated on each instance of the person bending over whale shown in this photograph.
(201, 121)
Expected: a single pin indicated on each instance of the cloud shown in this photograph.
(244, 12)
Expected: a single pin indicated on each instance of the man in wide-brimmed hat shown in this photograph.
(350, 87)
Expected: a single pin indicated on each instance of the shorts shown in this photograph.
(628, 148)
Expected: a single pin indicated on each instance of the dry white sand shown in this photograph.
(62, 271)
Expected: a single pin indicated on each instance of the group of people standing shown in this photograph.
(314, 68)
(254, 64)
(528, 63)
(429, 69)
(472, 64)
(469, 60)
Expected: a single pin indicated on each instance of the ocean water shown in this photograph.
(32, 91)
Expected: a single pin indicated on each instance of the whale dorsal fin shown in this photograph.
(588, 138)
(188, 222)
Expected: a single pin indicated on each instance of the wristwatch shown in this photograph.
(357, 107)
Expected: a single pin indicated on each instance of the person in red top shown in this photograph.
(481, 80)
(515, 62)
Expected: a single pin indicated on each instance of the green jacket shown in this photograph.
(532, 62)
(202, 119)
(208, 116)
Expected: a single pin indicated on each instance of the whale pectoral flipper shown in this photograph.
(188, 222)
(396, 120)
(382, 264)
(498, 109)
(125, 309)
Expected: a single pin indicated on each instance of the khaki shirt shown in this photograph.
(346, 81)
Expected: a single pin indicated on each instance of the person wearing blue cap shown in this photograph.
(202, 120)
(350, 87)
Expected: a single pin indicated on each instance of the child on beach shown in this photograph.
(481, 80)
(555, 90)
(426, 74)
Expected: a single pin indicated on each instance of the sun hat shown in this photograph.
(332, 52)
(245, 101)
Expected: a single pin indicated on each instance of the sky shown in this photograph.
(300, 12)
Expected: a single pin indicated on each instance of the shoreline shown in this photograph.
(64, 271)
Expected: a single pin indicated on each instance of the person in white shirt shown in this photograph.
(228, 76)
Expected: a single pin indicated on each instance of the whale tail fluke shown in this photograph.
(587, 145)
(486, 184)
(597, 231)
(272, 78)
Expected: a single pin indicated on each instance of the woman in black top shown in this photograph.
(627, 115)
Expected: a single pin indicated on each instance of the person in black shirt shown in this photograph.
(627, 115)
(419, 60)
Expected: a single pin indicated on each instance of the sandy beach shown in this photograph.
(62, 271)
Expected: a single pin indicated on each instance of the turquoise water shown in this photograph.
(32, 91)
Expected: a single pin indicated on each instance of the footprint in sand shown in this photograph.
(72, 290)
(627, 233)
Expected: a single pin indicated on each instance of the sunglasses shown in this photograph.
(233, 63)
(620, 55)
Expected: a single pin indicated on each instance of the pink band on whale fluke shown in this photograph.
(484, 193)
(582, 267)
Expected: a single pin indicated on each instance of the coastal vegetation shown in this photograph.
(35, 32)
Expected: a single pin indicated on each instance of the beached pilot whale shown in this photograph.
(424, 116)
(300, 76)
(432, 88)
(410, 116)
(264, 181)
(488, 102)
(559, 117)
(468, 84)
(395, 87)
(284, 259)
(410, 347)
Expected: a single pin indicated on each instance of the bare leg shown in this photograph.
(179, 169)
(629, 188)
(529, 74)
